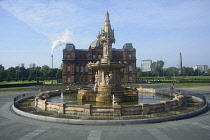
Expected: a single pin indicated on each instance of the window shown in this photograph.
(82, 69)
(68, 80)
(77, 79)
(121, 70)
(86, 69)
(129, 56)
(122, 79)
(86, 79)
(68, 56)
(130, 79)
(99, 56)
(68, 69)
(129, 68)
(77, 68)
(94, 56)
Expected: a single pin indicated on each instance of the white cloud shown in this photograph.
(51, 17)
(132, 19)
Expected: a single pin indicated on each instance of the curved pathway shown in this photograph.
(17, 127)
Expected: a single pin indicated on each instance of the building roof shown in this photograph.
(70, 47)
(128, 46)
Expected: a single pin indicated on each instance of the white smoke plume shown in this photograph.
(62, 40)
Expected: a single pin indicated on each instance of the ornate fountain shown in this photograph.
(107, 79)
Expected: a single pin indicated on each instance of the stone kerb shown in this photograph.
(89, 107)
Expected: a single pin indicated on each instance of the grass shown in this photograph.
(192, 84)
(168, 78)
(21, 89)
(53, 87)
(22, 82)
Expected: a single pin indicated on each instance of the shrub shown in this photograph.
(29, 78)
(8, 79)
(23, 79)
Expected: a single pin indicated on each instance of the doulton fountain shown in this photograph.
(107, 89)
(107, 79)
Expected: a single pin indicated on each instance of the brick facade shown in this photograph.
(75, 61)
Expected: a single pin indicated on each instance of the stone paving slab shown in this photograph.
(13, 126)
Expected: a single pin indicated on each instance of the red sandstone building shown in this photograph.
(75, 61)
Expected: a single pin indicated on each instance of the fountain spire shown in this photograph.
(107, 25)
(107, 38)
(107, 16)
(107, 78)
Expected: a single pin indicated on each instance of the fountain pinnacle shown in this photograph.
(106, 38)
(107, 78)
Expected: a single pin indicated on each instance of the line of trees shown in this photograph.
(38, 73)
(158, 70)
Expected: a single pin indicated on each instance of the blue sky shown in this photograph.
(158, 29)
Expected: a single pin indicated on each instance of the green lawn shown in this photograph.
(22, 82)
(20, 89)
(177, 78)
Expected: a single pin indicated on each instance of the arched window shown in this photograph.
(86, 69)
(130, 79)
(129, 68)
(68, 80)
(94, 56)
(82, 69)
(77, 68)
(68, 69)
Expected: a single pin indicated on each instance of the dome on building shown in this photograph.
(95, 43)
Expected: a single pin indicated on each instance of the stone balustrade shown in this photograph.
(118, 110)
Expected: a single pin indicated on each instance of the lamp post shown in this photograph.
(174, 73)
(18, 74)
(36, 75)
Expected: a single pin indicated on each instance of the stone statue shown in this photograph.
(105, 49)
(40, 93)
(107, 79)
(96, 78)
(110, 78)
(68, 87)
(97, 62)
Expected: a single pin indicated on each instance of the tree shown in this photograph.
(170, 71)
(11, 73)
(52, 72)
(44, 70)
(59, 74)
(3, 74)
(188, 71)
(157, 68)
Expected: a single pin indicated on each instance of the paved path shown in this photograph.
(14, 127)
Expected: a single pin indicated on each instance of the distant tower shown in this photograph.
(180, 63)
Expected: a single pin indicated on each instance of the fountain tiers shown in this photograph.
(107, 78)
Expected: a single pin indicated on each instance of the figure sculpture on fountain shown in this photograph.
(107, 79)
